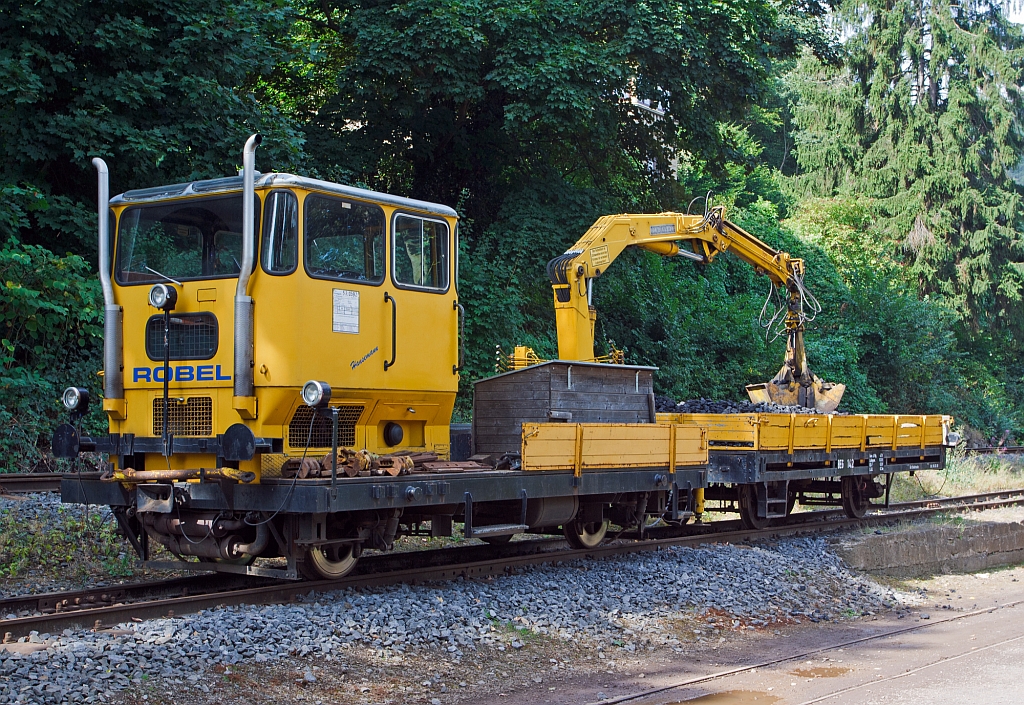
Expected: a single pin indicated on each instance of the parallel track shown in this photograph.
(996, 450)
(11, 483)
(112, 605)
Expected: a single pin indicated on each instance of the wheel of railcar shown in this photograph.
(748, 509)
(585, 535)
(855, 500)
(329, 562)
(497, 540)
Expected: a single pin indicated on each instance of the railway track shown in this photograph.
(111, 605)
(14, 483)
(996, 450)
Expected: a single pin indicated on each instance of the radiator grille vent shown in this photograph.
(298, 429)
(193, 417)
(193, 336)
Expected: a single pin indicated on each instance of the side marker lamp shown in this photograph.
(163, 297)
(316, 394)
(75, 399)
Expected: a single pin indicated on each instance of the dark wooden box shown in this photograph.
(573, 392)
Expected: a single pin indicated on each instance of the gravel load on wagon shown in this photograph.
(712, 406)
(622, 605)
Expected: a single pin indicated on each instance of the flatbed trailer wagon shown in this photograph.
(760, 464)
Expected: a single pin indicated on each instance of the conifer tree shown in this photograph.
(926, 118)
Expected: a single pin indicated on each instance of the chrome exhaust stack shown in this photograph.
(244, 380)
(113, 365)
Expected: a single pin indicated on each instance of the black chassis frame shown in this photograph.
(749, 467)
(309, 501)
(320, 496)
(127, 445)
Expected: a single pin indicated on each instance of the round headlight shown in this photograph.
(163, 297)
(75, 398)
(316, 393)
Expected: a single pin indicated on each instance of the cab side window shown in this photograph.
(421, 253)
(343, 240)
(280, 250)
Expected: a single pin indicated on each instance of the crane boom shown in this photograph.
(668, 234)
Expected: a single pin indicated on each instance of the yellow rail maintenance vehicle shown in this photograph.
(281, 358)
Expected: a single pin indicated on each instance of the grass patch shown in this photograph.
(68, 544)
(964, 474)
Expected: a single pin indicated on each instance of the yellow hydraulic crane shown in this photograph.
(572, 275)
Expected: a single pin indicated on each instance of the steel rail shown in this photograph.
(30, 482)
(432, 568)
(995, 450)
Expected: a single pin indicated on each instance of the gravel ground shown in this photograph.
(615, 608)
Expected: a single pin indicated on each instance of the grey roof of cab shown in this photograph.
(234, 183)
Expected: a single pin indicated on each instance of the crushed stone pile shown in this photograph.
(711, 406)
(623, 605)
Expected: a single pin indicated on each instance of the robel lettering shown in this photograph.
(180, 373)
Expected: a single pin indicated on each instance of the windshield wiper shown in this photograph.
(172, 281)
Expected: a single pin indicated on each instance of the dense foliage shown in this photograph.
(161, 89)
(876, 140)
(51, 329)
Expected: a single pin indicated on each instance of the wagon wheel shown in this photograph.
(582, 535)
(748, 509)
(855, 500)
(329, 562)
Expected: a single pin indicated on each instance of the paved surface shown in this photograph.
(977, 659)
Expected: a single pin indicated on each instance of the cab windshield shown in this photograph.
(196, 239)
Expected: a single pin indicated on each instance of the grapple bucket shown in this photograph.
(808, 392)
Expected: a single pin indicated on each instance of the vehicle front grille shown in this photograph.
(193, 336)
(193, 417)
(320, 437)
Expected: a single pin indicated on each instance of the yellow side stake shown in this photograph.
(672, 450)
(578, 469)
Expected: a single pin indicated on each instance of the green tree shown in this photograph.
(50, 337)
(485, 95)
(926, 118)
(163, 90)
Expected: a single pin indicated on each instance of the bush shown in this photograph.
(51, 336)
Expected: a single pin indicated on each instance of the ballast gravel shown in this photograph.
(710, 406)
(620, 605)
